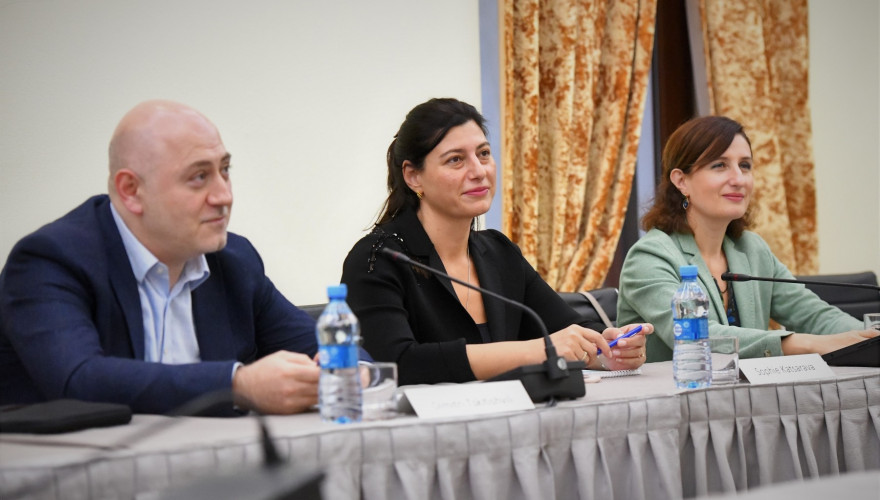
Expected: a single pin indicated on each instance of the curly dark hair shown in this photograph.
(693, 145)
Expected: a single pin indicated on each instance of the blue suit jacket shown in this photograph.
(71, 323)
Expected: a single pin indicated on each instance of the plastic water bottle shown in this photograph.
(691, 358)
(339, 389)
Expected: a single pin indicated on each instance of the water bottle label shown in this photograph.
(690, 328)
(338, 356)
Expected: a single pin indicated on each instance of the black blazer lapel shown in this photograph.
(420, 245)
(490, 278)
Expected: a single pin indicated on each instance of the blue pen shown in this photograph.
(624, 336)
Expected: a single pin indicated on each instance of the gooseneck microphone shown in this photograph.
(864, 353)
(554, 378)
(746, 277)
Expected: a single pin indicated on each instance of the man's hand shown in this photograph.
(281, 383)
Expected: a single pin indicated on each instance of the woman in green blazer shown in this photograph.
(699, 217)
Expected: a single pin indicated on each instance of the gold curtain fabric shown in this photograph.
(757, 59)
(575, 82)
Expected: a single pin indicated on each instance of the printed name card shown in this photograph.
(785, 369)
(456, 400)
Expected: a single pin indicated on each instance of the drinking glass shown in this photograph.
(379, 380)
(725, 360)
(872, 321)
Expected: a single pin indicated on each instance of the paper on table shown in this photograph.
(453, 400)
(611, 373)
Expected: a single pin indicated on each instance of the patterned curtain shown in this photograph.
(757, 58)
(575, 80)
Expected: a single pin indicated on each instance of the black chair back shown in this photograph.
(314, 310)
(607, 298)
(854, 301)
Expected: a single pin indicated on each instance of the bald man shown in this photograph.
(142, 297)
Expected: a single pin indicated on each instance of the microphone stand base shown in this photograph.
(864, 353)
(540, 387)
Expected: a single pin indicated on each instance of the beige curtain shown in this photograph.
(575, 80)
(757, 59)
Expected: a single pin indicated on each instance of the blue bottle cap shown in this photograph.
(688, 272)
(339, 291)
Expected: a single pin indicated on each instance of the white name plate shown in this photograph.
(456, 400)
(779, 369)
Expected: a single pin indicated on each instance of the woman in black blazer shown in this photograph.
(441, 176)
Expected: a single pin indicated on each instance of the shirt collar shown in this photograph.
(142, 260)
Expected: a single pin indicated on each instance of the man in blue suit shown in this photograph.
(142, 297)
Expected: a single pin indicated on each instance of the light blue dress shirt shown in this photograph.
(169, 330)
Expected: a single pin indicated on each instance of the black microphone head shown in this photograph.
(735, 277)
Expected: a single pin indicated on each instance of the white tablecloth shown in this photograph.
(629, 438)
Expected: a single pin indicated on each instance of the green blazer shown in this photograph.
(650, 277)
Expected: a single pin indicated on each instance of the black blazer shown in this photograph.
(415, 319)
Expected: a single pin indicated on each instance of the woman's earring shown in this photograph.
(420, 194)
(686, 202)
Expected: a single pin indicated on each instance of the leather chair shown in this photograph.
(606, 297)
(854, 301)
(314, 310)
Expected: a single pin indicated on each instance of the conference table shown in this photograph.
(630, 437)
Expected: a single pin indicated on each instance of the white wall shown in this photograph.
(845, 100)
(307, 96)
